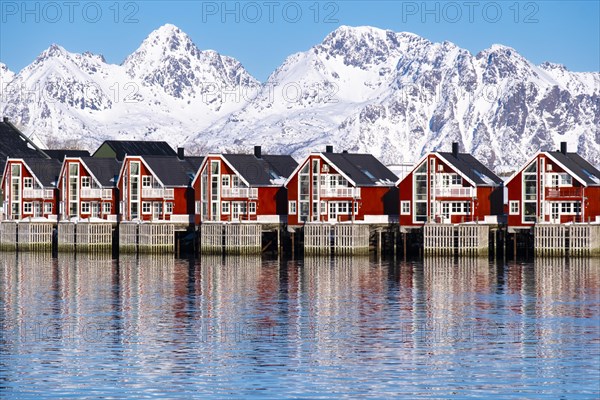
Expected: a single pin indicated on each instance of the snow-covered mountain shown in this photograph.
(396, 95)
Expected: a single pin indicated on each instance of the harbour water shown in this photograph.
(154, 326)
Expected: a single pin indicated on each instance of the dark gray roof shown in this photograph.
(173, 171)
(45, 169)
(363, 169)
(262, 171)
(104, 169)
(60, 154)
(16, 145)
(472, 168)
(138, 148)
(579, 166)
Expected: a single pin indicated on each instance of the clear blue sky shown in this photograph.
(261, 34)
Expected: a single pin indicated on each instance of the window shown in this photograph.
(85, 181)
(225, 207)
(225, 180)
(566, 180)
(168, 208)
(252, 207)
(47, 208)
(292, 207)
(27, 208)
(146, 207)
(514, 207)
(565, 208)
(198, 207)
(146, 181)
(456, 180)
(342, 207)
(405, 207)
(134, 168)
(27, 183)
(106, 208)
(85, 208)
(355, 208)
(323, 208)
(235, 181)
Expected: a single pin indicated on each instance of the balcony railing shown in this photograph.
(158, 193)
(250, 193)
(38, 193)
(454, 192)
(340, 192)
(564, 192)
(87, 193)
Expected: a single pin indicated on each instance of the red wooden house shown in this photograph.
(554, 187)
(242, 187)
(339, 187)
(30, 188)
(449, 188)
(88, 188)
(157, 188)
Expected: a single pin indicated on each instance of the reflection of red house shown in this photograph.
(88, 188)
(242, 187)
(29, 187)
(449, 188)
(157, 188)
(554, 187)
(341, 187)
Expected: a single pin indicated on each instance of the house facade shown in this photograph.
(29, 186)
(88, 188)
(554, 187)
(157, 188)
(449, 187)
(341, 187)
(242, 187)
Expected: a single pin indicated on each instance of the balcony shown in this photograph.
(38, 193)
(247, 193)
(105, 194)
(564, 192)
(454, 192)
(158, 193)
(340, 192)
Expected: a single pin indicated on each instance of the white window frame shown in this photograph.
(405, 207)
(146, 181)
(198, 206)
(225, 181)
(252, 208)
(292, 207)
(27, 183)
(86, 182)
(225, 208)
(146, 207)
(85, 206)
(169, 207)
(48, 207)
(513, 207)
(28, 207)
(106, 208)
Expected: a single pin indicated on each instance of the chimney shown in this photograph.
(329, 149)
(180, 153)
(345, 151)
(563, 147)
(5, 119)
(257, 152)
(455, 149)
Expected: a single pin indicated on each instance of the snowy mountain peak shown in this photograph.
(6, 75)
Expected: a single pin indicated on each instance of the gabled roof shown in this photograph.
(576, 165)
(267, 170)
(14, 144)
(172, 171)
(60, 154)
(121, 148)
(358, 169)
(471, 168)
(46, 170)
(104, 169)
(362, 169)
(572, 163)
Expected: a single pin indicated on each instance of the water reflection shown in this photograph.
(338, 326)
